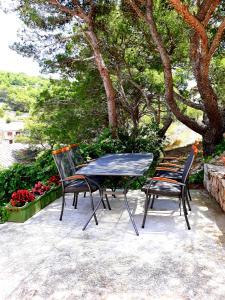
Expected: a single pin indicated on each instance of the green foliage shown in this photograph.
(21, 176)
(66, 111)
(4, 214)
(1, 112)
(18, 90)
(220, 148)
(145, 139)
(197, 177)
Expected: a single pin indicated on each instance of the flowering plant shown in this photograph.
(39, 188)
(55, 179)
(20, 197)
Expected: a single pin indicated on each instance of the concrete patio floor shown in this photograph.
(48, 259)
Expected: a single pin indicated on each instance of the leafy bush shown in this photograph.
(20, 176)
(4, 214)
(220, 148)
(197, 177)
(145, 139)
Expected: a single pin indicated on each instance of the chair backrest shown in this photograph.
(63, 162)
(189, 162)
(75, 154)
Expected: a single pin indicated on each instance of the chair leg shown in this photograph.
(153, 200)
(147, 201)
(189, 194)
(186, 197)
(93, 208)
(185, 209)
(76, 201)
(63, 204)
(180, 204)
(107, 201)
(113, 193)
(103, 203)
(101, 196)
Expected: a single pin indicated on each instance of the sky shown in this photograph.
(9, 59)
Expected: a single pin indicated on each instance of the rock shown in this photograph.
(214, 182)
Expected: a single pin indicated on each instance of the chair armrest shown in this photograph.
(90, 160)
(167, 180)
(81, 166)
(172, 158)
(170, 165)
(175, 170)
(74, 177)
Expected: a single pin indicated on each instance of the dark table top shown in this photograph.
(123, 164)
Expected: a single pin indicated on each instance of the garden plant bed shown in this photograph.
(21, 214)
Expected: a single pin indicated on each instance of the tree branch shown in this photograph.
(75, 13)
(217, 39)
(136, 9)
(192, 21)
(189, 103)
(169, 96)
(209, 9)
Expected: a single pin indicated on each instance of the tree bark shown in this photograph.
(201, 55)
(104, 73)
(87, 17)
(169, 94)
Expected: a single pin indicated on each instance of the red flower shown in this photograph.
(55, 179)
(20, 197)
(40, 188)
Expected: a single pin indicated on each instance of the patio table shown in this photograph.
(132, 165)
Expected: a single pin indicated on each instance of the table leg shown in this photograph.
(94, 211)
(130, 214)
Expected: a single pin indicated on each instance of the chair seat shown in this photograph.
(78, 186)
(162, 188)
(168, 174)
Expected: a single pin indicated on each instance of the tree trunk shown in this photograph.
(213, 118)
(166, 124)
(168, 76)
(104, 73)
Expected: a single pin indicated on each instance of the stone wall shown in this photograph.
(214, 182)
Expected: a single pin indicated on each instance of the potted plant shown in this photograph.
(25, 204)
(21, 197)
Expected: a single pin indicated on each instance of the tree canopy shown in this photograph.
(136, 61)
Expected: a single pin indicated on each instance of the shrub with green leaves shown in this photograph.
(21, 176)
(4, 214)
(144, 139)
(197, 178)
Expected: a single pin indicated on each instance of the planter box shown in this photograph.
(21, 214)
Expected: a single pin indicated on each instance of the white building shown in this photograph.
(8, 131)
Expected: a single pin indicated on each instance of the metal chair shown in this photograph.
(78, 162)
(162, 186)
(71, 182)
(175, 171)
